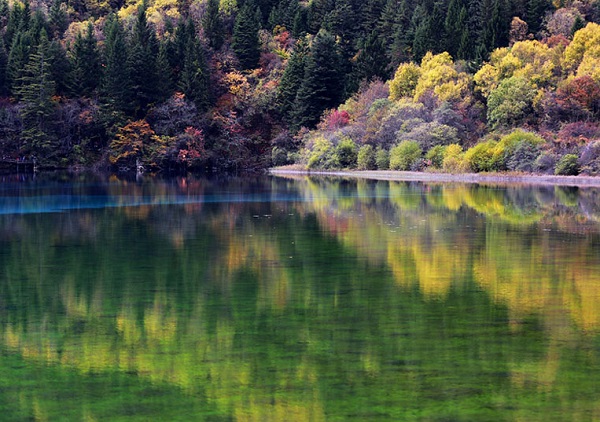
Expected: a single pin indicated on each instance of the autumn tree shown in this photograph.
(136, 144)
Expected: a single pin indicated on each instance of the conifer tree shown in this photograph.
(245, 36)
(371, 61)
(322, 85)
(57, 19)
(142, 63)
(292, 77)
(60, 67)
(36, 92)
(213, 25)
(115, 86)
(85, 63)
(17, 59)
(193, 78)
(3, 69)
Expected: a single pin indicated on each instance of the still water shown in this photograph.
(298, 299)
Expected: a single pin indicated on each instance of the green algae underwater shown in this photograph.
(298, 299)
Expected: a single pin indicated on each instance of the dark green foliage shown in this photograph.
(57, 19)
(115, 86)
(4, 85)
(144, 73)
(17, 59)
(371, 61)
(577, 25)
(245, 36)
(85, 64)
(36, 92)
(421, 28)
(60, 67)
(322, 85)
(213, 25)
(567, 165)
(536, 10)
(194, 78)
(292, 77)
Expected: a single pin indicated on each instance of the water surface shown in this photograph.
(298, 299)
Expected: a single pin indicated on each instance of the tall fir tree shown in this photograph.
(60, 67)
(292, 77)
(17, 59)
(245, 42)
(141, 61)
(323, 83)
(57, 19)
(115, 88)
(36, 92)
(4, 84)
(85, 64)
(422, 33)
(194, 78)
(371, 61)
(212, 23)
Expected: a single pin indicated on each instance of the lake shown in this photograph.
(297, 299)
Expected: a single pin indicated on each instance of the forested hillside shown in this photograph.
(235, 85)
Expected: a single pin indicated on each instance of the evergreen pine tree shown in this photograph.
(36, 92)
(422, 34)
(57, 19)
(371, 61)
(4, 14)
(454, 26)
(213, 25)
(4, 83)
(322, 85)
(245, 36)
(536, 9)
(115, 86)
(144, 74)
(85, 64)
(17, 59)
(60, 67)
(292, 77)
(194, 78)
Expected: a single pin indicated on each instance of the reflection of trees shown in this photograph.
(365, 300)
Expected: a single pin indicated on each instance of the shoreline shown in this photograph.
(414, 176)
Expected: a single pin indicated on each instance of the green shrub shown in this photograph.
(346, 152)
(404, 155)
(454, 160)
(567, 165)
(482, 157)
(382, 159)
(279, 156)
(366, 158)
(322, 155)
(436, 156)
(527, 143)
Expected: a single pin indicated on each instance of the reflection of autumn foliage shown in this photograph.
(134, 142)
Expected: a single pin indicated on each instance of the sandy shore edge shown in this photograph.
(500, 179)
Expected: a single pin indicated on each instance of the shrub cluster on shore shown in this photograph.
(534, 107)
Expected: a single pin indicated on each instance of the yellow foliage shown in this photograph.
(585, 42)
(530, 59)
(405, 81)
(439, 75)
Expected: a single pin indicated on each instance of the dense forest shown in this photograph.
(241, 85)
